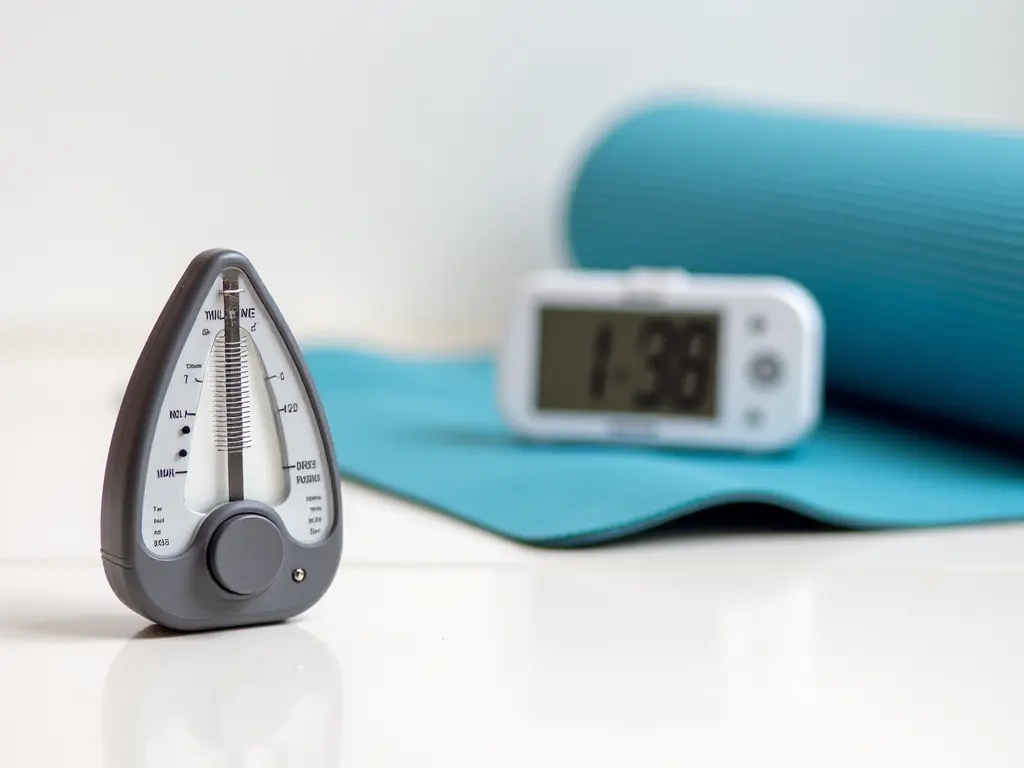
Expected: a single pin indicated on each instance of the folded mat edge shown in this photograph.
(400, 423)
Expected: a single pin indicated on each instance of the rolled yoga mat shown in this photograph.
(912, 240)
(910, 236)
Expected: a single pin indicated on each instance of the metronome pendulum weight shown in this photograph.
(221, 503)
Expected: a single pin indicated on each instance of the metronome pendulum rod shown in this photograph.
(235, 403)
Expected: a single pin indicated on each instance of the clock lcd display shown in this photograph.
(628, 362)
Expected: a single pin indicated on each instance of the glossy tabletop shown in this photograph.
(440, 645)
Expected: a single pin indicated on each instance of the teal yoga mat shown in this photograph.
(910, 236)
(427, 429)
(912, 239)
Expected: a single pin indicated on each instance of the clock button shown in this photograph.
(757, 324)
(766, 369)
(653, 282)
(753, 417)
(659, 272)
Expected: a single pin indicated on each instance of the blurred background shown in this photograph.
(391, 166)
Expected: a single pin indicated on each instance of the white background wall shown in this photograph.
(390, 165)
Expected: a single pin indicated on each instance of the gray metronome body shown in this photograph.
(221, 503)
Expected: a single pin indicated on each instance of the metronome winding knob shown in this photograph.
(246, 553)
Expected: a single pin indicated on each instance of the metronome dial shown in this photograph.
(236, 424)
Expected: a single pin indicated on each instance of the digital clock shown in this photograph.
(662, 357)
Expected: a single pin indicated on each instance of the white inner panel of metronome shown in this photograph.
(236, 421)
(264, 478)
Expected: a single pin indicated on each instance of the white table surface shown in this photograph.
(439, 645)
